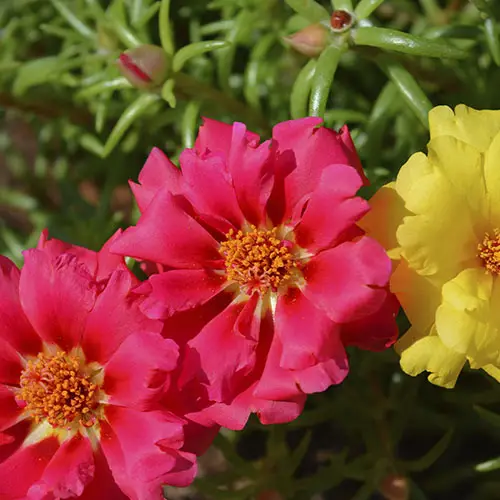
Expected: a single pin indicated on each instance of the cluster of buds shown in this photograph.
(311, 40)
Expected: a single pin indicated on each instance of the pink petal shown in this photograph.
(14, 326)
(303, 150)
(103, 486)
(180, 290)
(166, 234)
(252, 173)
(279, 384)
(10, 410)
(69, 471)
(215, 137)
(115, 316)
(346, 281)
(57, 296)
(158, 172)
(208, 186)
(374, 332)
(332, 209)
(99, 264)
(142, 450)
(184, 325)
(235, 415)
(10, 364)
(12, 438)
(24, 467)
(306, 332)
(137, 372)
(220, 354)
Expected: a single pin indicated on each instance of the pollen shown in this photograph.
(258, 259)
(56, 389)
(489, 252)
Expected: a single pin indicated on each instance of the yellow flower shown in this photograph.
(440, 222)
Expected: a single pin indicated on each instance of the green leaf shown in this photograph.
(72, 19)
(189, 124)
(167, 93)
(195, 49)
(490, 417)
(134, 110)
(493, 39)
(398, 41)
(301, 90)
(166, 36)
(408, 87)
(96, 89)
(366, 7)
(342, 5)
(431, 456)
(488, 466)
(309, 9)
(322, 79)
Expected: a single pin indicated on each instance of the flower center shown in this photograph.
(258, 259)
(56, 388)
(489, 252)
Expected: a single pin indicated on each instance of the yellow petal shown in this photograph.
(386, 213)
(492, 370)
(418, 296)
(440, 239)
(428, 353)
(468, 320)
(477, 128)
(492, 181)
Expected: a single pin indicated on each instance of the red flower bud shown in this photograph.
(145, 66)
(395, 487)
(341, 20)
(309, 41)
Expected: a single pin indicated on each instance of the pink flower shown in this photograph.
(83, 380)
(262, 271)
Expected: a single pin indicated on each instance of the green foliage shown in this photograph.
(74, 130)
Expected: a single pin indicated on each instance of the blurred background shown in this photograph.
(74, 130)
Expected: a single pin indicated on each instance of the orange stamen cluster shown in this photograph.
(55, 389)
(258, 259)
(489, 252)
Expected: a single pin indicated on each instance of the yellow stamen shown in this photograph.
(57, 389)
(489, 252)
(258, 259)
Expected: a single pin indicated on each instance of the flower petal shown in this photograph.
(252, 173)
(375, 332)
(476, 128)
(11, 412)
(306, 332)
(215, 137)
(387, 210)
(492, 180)
(137, 372)
(332, 209)
(428, 353)
(222, 354)
(346, 281)
(166, 234)
(303, 150)
(142, 450)
(468, 319)
(10, 364)
(57, 296)
(180, 290)
(158, 172)
(208, 186)
(14, 326)
(31, 460)
(69, 471)
(116, 315)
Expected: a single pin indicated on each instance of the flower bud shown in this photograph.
(395, 487)
(309, 41)
(145, 66)
(341, 20)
